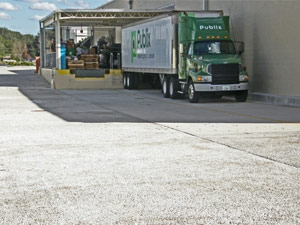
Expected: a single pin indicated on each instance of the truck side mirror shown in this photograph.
(240, 47)
(181, 49)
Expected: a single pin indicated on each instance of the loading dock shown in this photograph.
(75, 62)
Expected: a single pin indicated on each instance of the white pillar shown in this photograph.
(205, 5)
(58, 37)
(64, 33)
(68, 33)
(42, 46)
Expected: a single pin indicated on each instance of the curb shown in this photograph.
(275, 99)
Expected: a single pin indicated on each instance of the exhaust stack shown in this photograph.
(130, 3)
(205, 5)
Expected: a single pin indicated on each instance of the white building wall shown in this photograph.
(179, 4)
(116, 4)
(153, 4)
(271, 32)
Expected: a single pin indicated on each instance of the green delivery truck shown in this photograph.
(189, 53)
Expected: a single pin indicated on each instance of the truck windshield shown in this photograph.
(214, 47)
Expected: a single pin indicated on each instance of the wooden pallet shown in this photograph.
(91, 65)
(89, 56)
(91, 60)
(75, 64)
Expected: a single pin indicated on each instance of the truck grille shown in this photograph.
(225, 73)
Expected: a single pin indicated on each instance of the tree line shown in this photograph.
(17, 45)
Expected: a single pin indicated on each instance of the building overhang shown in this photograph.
(99, 17)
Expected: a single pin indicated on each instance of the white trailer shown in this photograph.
(149, 48)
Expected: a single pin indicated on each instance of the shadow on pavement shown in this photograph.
(98, 106)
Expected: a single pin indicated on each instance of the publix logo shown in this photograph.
(211, 27)
(140, 39)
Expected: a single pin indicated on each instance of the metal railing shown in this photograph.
(115, 60)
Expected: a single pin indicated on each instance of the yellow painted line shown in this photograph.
(115, 72)
(63, 72)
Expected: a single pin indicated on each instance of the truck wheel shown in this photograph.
(241, 96)
(125, 80)
(130, 81)
(165, 87)
(192, 94)
(173, 88)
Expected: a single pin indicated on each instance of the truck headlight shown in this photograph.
(204, 79)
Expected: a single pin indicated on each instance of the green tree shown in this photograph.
(11, 43)
(18, 50)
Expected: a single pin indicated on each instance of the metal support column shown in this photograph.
(42, 46)
(68, 33)
(92, 36)
(58, 37)
(205, 5)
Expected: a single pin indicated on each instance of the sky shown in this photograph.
(24, 15)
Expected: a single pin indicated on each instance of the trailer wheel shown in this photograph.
(165, 87)
(130, 81)
(241, 96)
(173, 88)
(125, 81)
(192, 94)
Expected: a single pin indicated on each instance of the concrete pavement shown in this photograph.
(132, 157)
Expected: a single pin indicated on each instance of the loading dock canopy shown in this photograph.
(97, 18)
(101, 17)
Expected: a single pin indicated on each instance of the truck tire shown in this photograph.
(192, 94)
(241, 96)
(125, 80)
(173, 88)
(130, 81)
(165, 87)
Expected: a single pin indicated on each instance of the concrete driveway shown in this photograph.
(133, 157)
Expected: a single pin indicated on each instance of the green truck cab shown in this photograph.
(208, 60)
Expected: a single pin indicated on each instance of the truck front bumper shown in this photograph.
(220, 87)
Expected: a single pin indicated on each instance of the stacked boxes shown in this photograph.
(76, 64)
(87, 61)
(90, 61)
